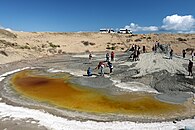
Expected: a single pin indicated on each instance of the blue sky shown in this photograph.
(91, 15)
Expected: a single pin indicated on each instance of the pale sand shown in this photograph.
(28, 45)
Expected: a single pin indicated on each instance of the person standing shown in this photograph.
(184, 53)
(138, 53)
(90, 57)
(134, 56)
(135, 47)
(132, 48)
(110, 66)
(154, 48)
(102, 69)
(89, 72)
(107, 57)
(112, 56)
(190, 65)
(138, 47)
(171, 54)
(192, 55)
(144, 49)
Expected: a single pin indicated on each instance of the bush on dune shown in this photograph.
(181, 39)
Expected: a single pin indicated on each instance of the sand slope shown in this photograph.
(22, 45)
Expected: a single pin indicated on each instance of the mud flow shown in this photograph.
(58, 91)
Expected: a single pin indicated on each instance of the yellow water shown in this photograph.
(61, 93)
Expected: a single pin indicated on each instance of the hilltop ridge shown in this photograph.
(22, 45)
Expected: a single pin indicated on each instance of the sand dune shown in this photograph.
(22, 45)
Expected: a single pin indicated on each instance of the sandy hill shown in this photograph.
(21, 45)
(6, 34)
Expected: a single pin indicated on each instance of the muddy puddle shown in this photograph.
(57, 90)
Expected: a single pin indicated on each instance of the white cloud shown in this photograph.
(136, 28)
(178, 23)
(173, 23)
(187, 32)
(8, 29)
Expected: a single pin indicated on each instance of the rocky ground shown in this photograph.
(152, 73)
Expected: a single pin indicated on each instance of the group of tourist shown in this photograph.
(136, 52)
(135, 49)
(190, 64)
(102, 64)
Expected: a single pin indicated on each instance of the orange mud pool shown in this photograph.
(58, 91)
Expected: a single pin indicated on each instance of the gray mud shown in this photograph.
(174, 97)
(96, 82)
(172, 88)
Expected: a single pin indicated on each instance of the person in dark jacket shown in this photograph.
(112, 56)
(89, 72)
(190, 65)
(184, 53)
(144, 49)
(171, 54)
(107, 57)
(110, 66)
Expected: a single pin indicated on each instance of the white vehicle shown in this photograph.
(107, 31)
(125, 31)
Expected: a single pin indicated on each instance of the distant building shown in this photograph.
(107, 31)
(125, 31)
